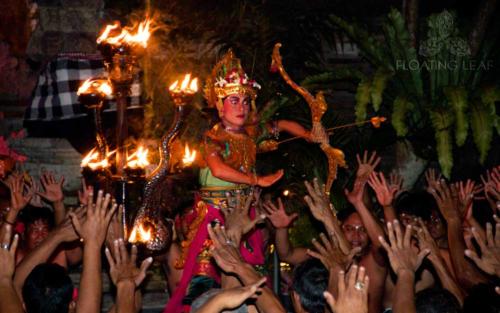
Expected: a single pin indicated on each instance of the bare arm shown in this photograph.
(294, 129)
(230, 261)
(225, 172)
(11, 302)
(286, 252)
(93, 232)
(281, 221)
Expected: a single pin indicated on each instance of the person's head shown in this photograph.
(482, 298)
(410, 205)
(48, 289)
(310, 280)
(436, 300)
(354, 230)
(235, 110)
(38, 222)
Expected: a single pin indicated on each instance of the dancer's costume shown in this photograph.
(238, 150)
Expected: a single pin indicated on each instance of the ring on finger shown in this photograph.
(5, 246)
(359, 285)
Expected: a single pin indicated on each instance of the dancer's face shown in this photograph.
(235, 110)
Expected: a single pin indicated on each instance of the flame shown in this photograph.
(140, 234)
(187, 85)
(95, 85)
(135, 35)
(93, 161)
(139, 158)
(189, 156)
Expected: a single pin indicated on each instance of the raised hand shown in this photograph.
(489, 261)
(352, 292)
(237, 219)
(396, 182)
(52, 187)
(20, 192)
(7, 253)
(65, 229)
(329, 253)
(365, 168)
(402, 256)
(432, 178)
(426, 242)
(95, 227)
(277, 214)
(319, 202)
(385, 193)
(491, 186)
(466, 193)
(83, 195)
(367, 165)
(224, 250)
(123, 266)
(447, 199)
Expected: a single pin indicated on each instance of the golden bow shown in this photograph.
(318, 107)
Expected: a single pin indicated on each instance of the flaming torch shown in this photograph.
(150, 212)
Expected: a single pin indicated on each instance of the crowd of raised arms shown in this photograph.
(431, 250)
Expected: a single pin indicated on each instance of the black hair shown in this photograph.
(418, 203)
(482, 298)
(344, 214)
(436, 300)
(47, 289)
(310, 280)
(31, 214)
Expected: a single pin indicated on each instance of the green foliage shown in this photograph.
(458, 99)
(442, 122)
(378, 86)
(400, 109)
(362, 99)
(482, 122)
(436, 85)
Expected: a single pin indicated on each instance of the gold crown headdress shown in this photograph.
(229, 78)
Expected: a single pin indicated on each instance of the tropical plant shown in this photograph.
(436, 84)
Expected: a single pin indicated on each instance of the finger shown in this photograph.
(252, 224)
(98, 203)
(76, 222)
(473, 256)
(407, 236)
(365, 157)
(133, 254)
(330, 300)
(422, 255)
(353, 253)
(281, 207)
(90, 201)
(143, 269)
(317, 187)
(123, 251)
(248, 203)
(391, 234)
(61, 181)
(116, 249)
(384, 244)
(109, 257)
(497, 234)
(7, 233)
(315, 255)
(109, 214)
(490, 242)
(104, 205)
(318, 246)
(238, 199)
(326, 243)
(351, 276)
(361, 274)
(309, 202)
(341, 281)
(13, 246)
(399, 234)
(480, 241)
(309, 188)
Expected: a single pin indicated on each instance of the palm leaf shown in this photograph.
(442, 121)
(482, 130)
(378, 85)
(400, 107)
(362, 99)
(457, 97)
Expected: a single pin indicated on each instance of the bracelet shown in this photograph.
(7, 222)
